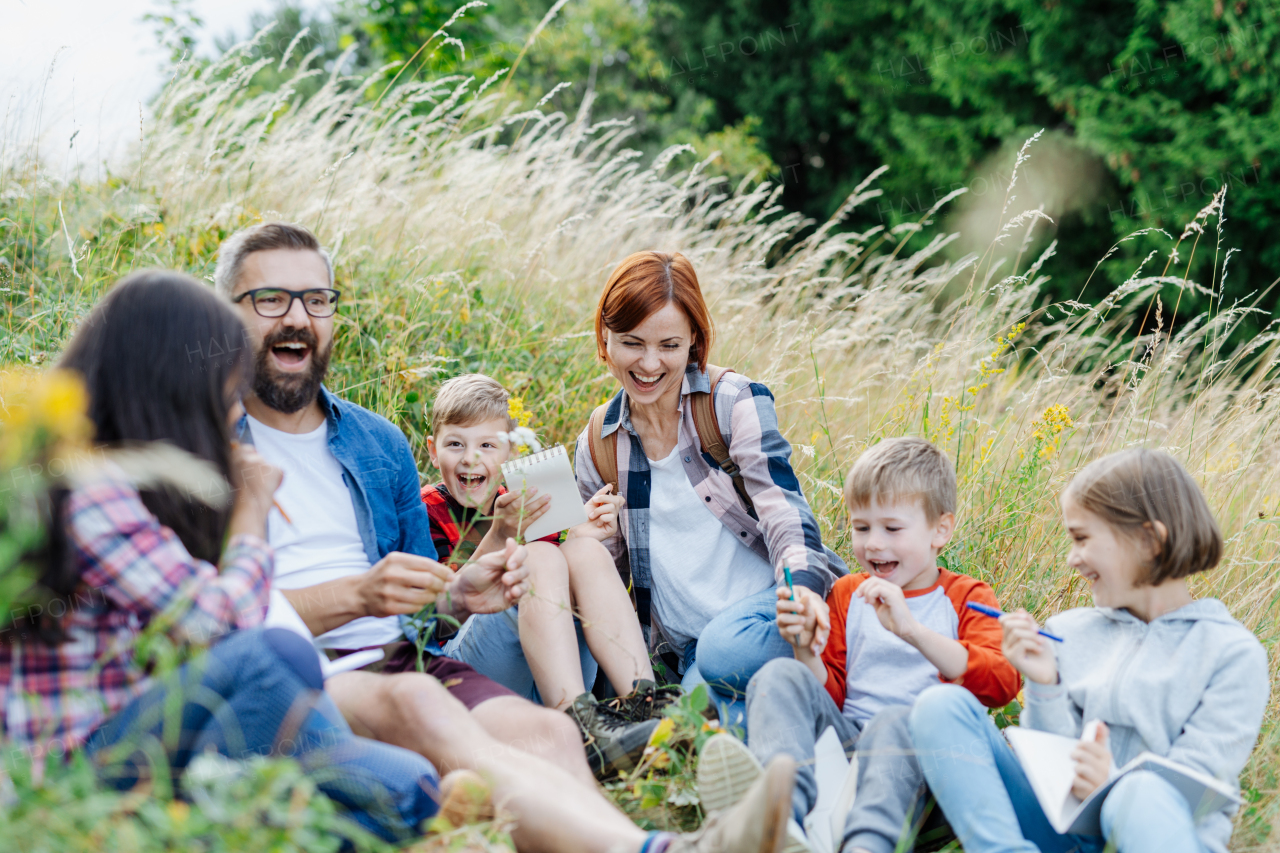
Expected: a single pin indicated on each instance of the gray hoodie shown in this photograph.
(1191, 685)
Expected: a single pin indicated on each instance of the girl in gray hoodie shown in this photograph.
(1163, 672)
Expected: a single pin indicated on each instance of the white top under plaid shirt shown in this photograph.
(786, 530)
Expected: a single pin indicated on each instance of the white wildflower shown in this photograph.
(522, 439)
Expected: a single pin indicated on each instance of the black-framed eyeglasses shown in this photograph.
(276, 301)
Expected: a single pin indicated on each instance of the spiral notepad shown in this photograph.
(550, 473)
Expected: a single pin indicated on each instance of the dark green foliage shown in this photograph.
(1162, 103)
(1149, 107)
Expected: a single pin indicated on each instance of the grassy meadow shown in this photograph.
(474, 234)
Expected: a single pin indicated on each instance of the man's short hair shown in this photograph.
(262, 238)
(470, 399)
(900, 469)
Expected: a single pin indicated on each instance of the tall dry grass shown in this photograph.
(471, 234)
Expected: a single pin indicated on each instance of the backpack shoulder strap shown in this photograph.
(710, 437)
(604, 452)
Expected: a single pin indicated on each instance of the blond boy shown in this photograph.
(897, 627)
(538, 649)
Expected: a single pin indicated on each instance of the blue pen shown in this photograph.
(996, 614)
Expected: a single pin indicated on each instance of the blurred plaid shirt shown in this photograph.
(133, 571)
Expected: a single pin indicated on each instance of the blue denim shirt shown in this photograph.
(382, 476)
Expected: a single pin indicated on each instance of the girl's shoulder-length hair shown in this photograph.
(1133, 489)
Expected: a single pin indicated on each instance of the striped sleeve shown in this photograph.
(786, 520)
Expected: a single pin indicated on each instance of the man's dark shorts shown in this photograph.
(464, 683)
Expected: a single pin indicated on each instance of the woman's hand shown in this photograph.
(805, 622)
(254, 481)
(602, 515)
(1026, 649)
(1093, 763)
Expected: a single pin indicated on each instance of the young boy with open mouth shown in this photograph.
(897, 627)
(576, 618)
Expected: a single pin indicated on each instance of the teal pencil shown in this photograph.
(786, 573)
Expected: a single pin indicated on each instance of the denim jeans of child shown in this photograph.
(731, 649)
(985, 795)
(789, 709)
(490, 644)
(260, 692)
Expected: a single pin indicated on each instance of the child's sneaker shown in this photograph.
(614, 743)
(757, 824)
(726, 771)
(646, 700)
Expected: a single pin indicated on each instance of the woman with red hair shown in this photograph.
(709, 520)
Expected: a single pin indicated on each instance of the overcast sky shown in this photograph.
(107, 69)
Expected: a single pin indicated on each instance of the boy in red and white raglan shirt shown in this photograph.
(896, 628)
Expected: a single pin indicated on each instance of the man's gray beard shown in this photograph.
(289, 394)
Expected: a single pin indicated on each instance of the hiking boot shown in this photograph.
(614, 743)
(757, 824)
(726, 772)
(646, 701)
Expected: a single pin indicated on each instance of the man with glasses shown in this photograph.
(355, 551)
(351, 535)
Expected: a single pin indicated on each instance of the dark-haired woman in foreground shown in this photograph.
(164, 360)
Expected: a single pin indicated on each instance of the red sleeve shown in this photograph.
(989, 676)
(836, 655)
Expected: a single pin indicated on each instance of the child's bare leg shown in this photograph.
(547, 634)
(555, 812)
(608, 619)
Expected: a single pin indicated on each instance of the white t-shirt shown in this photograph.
(699, 566)
(323, 542)
(883, 669)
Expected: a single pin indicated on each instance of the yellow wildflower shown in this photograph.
(1048, 429)
(662, 733)
(178, 811)
(518, 413)
(38, 410)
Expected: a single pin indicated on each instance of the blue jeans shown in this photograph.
(986, 797)
(490, 644)
(260, 692)
(731, 649)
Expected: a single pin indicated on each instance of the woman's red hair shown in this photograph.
(642, 284)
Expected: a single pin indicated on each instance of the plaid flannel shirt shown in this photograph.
(133, 571)
(785, 530)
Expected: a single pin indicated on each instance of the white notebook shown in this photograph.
(550, 473)
(1046, 759)
(837, 778)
